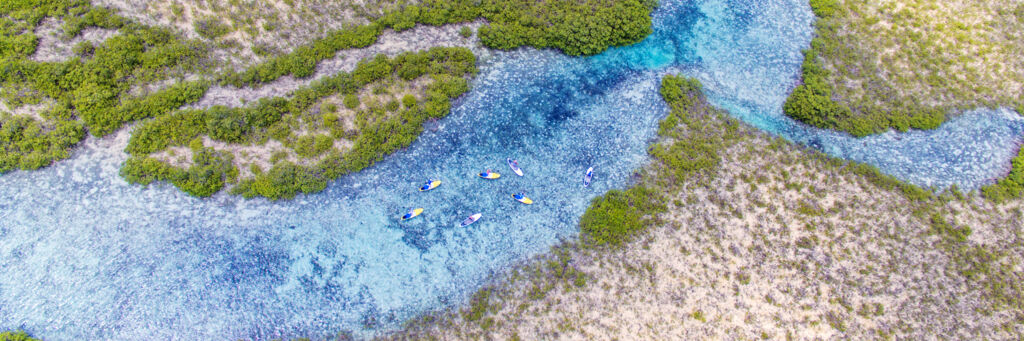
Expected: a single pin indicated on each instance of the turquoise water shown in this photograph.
(87, 256)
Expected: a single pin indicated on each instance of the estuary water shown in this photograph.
(87, 256)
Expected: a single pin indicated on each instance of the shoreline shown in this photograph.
(737, 255)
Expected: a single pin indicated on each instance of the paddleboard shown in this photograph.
(431, 184)
(520, 197)
(588, 177)
(471, 219)
(412, 213)
(515, 166)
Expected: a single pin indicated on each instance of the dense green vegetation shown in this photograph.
(690, 144)
(382, 128)
(16, 336)
(21, 45)
(209, 171)
(575, 27)
(617, 215)
(91, 92)
(27, 144)
(1010, 187)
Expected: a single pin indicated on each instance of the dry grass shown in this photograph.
(778, 246)
(255, 28)
(952, 54)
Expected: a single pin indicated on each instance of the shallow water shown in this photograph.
(87, 256)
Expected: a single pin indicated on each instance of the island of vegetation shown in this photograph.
(908, 64)
(878, 65)
(276, 147)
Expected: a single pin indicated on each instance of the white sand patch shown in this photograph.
(54, 47)
(33, 111)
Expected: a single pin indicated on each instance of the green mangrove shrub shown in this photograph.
(617, 215)
(27, 144)
(18, 46)
(812, 101)
(1010, 187)
(575, 27)
(16, 336)
(90, 93)
(209, 172)
(689, 146)
(380, 131)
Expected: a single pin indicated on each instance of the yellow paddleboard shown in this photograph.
(432, 184)
(522, 199)
(412, 213)
(490, 175)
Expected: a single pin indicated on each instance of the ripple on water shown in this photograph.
(116, 261)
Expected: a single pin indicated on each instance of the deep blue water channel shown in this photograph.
(87, 256)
